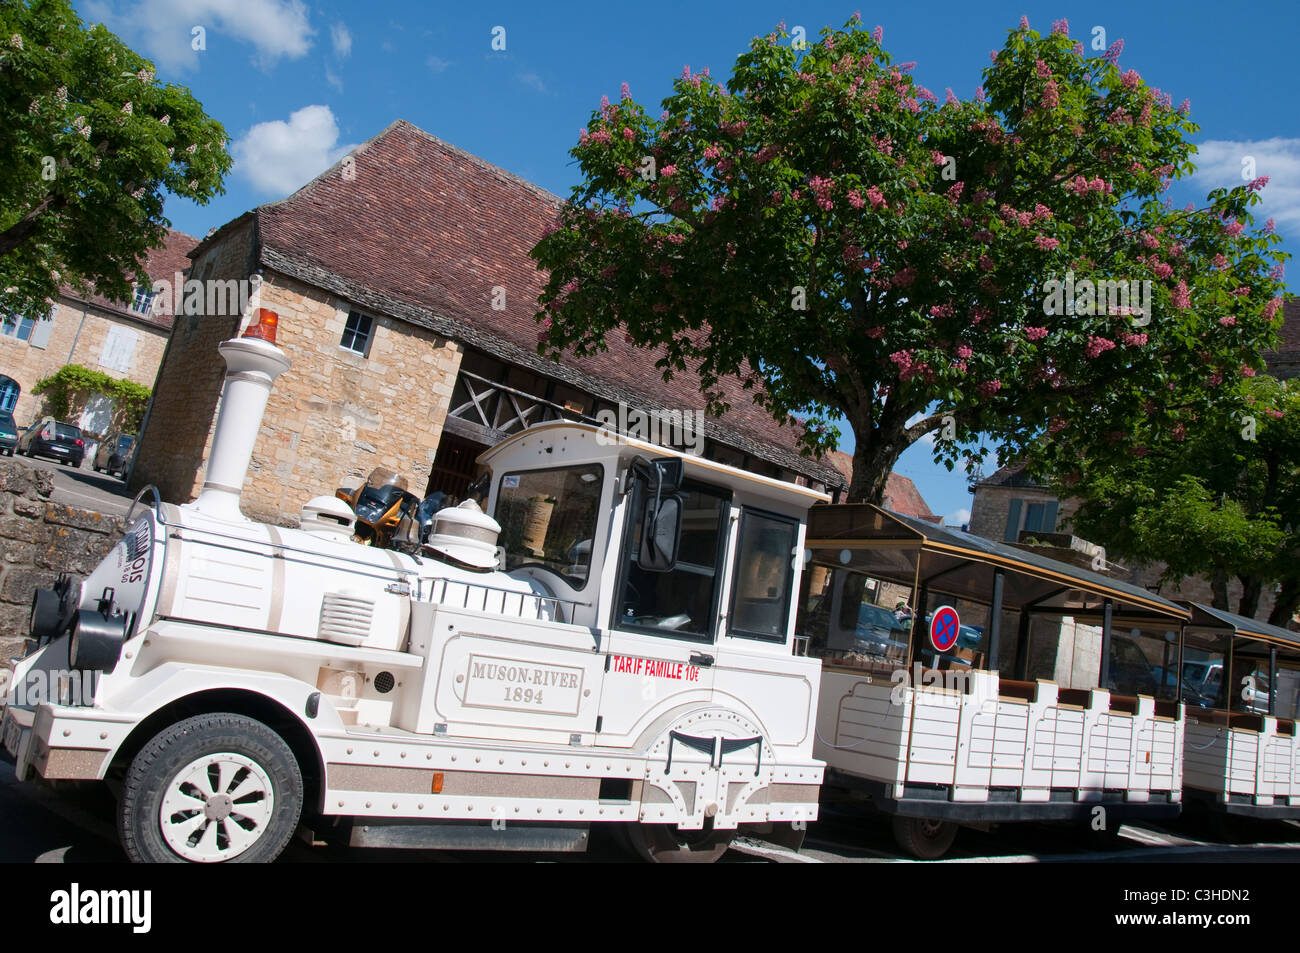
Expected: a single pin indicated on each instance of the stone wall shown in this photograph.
(39, 539)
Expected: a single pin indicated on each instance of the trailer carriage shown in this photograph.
(969, 682)
(1240, 679)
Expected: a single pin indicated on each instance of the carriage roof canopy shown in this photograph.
(1203, 615)
(963, 565)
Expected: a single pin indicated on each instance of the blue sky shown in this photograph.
(298, 84)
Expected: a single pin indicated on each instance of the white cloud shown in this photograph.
(279, 157)
(436, 63)
(1219, 164)
(333, 78)
(533, 80)
(163, 29)
(342, 40)
(957, 517)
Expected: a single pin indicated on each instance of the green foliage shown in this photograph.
(73, 384)
(89, 142)
(920, 237)
(1219, 497)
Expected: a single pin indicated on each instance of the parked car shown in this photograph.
(114, 453)
(49, 438)
(8, 433)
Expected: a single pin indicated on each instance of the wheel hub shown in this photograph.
(217, 807)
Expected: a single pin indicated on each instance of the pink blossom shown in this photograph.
(876, 197)
(1061, 26)
(1112, 54)
(876, 332)
(1247, 371)
(1229, 322)
(855, 199)
(986, 263)
(1097, 346)
(1258, 184)
(878, 34)
(1045, 243)
(1149, 240)
(1234, 228)
(1133, 340)
(1270, 309)
(1220, 262)
(676, 239)
(1024, 23)
(1215, 379)
(1035, 334)
(902, 358)
(979, 94)
(1130, 79)
(949, 97)
(601, 135)
(941, 311)
(964, 352)
(1044, 71)
(954, 193)
(978, 314)
(1162, 270)
(625, 91)
(1240, 292)
(989, 388)
(628, 133)
(604, 102)
(1041, 211)
(1051, 96)
(1182, 299)
(1268, 227)
(1185, 106)
(668, 171)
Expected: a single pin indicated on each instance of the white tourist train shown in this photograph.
(621, 654)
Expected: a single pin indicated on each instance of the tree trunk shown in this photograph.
(873, 459)
(1251, 589)
(1288, 600)
(1219, 588)
(25, 227)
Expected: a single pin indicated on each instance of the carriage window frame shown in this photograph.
(745, 513)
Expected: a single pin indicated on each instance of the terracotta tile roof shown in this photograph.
(901, 494)
(161, 263)
(424, 232)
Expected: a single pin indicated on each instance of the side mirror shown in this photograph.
(661, 534)
(663, 474)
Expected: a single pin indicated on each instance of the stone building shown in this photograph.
(122, 339)
(406, 301)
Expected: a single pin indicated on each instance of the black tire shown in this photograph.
(665, 844)
(157, 774)
(922, 837)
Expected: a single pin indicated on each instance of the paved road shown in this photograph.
(84, 489)
(40, 826)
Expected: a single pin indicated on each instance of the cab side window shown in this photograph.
(760, 601)
(683, 601)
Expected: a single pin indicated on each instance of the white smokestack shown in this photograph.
(253, 362)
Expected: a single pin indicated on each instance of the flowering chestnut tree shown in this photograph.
(89, 142)
(848, 244)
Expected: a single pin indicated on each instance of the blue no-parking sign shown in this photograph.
(944, 627)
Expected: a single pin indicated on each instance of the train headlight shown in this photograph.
(97, 640)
